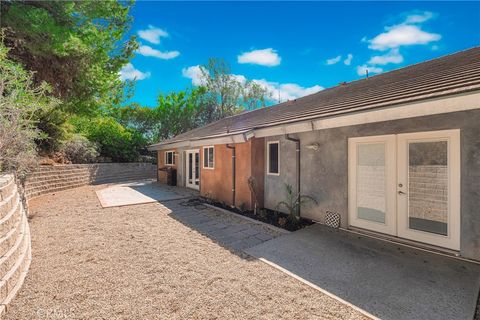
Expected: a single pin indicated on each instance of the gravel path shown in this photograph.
(139, 262)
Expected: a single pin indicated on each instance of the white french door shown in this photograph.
(407, 185)
(192, 178)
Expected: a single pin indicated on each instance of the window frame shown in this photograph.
(277, 142)
(208, 154)
(166, 158)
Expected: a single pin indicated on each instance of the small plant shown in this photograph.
(293, 203)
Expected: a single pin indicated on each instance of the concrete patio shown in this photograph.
(388, 280)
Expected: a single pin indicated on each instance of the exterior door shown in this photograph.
(407, 185)
(372, 178)
(193, 169)
(429, 187)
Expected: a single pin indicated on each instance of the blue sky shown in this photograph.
(292, 49)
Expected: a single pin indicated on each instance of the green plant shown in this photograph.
(21, 102)
(116, 142)
(78, 149)
(293, 202)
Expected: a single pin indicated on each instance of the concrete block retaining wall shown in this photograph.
(48, 179)
(15, 245)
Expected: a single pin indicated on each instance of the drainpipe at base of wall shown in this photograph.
(297, 151)
(233, 173)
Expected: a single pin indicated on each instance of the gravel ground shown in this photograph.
(138, 262)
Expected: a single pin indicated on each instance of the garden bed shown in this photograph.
(275, 218)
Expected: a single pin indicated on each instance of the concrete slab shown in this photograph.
(388, 280)
(140, 192)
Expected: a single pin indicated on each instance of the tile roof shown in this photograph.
(454, 73)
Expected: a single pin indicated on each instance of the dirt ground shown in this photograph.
(138, 262)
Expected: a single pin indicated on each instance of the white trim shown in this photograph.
(268, 158)
(173, 158)
(187, 167)
(203, 157)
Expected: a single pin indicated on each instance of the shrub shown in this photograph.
(78, 149)
(116, 142)
(20, 104)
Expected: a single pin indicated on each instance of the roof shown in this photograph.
(454, 73)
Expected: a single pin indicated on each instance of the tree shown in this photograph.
(228, 94)
(75, 46)
(179, 112)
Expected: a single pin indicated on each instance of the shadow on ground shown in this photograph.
(387, 280)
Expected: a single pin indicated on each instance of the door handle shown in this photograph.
(401, 192)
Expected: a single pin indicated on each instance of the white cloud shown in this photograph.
(128, 72)
(195, 73)
(393, 56)
(150, 52)
(286, 91)
(362, 70)
(402, 35)
(418, 18)
(265, 57)
(348, 60)
(152, 34)
(333, 60)
(275, 90)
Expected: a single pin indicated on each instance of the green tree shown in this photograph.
(178, 112)
(75, 46)
(228, 94)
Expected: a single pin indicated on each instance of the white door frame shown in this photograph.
(452, 239)
(389, 227)
(192, 185)
(396, 173)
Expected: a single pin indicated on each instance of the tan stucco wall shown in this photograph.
(217, 183)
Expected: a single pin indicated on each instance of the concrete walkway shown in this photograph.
(230, 231)
(387, 280)
(140, 192)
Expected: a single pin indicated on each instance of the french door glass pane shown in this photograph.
(190, 167)
(197, 168)
(428, 186)
(371, 182)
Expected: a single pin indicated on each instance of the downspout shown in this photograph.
(297, 150)
(233, 173)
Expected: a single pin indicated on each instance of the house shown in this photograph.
(395, 155)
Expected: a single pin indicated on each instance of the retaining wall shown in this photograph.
(15, 245)
(48, 179)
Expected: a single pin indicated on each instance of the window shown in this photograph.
(169, 158)
(273, 164)
(208, 157)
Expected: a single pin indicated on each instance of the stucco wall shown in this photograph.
(324, 172)
(217, 183)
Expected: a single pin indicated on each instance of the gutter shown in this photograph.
(233, 172)
(297, 151)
